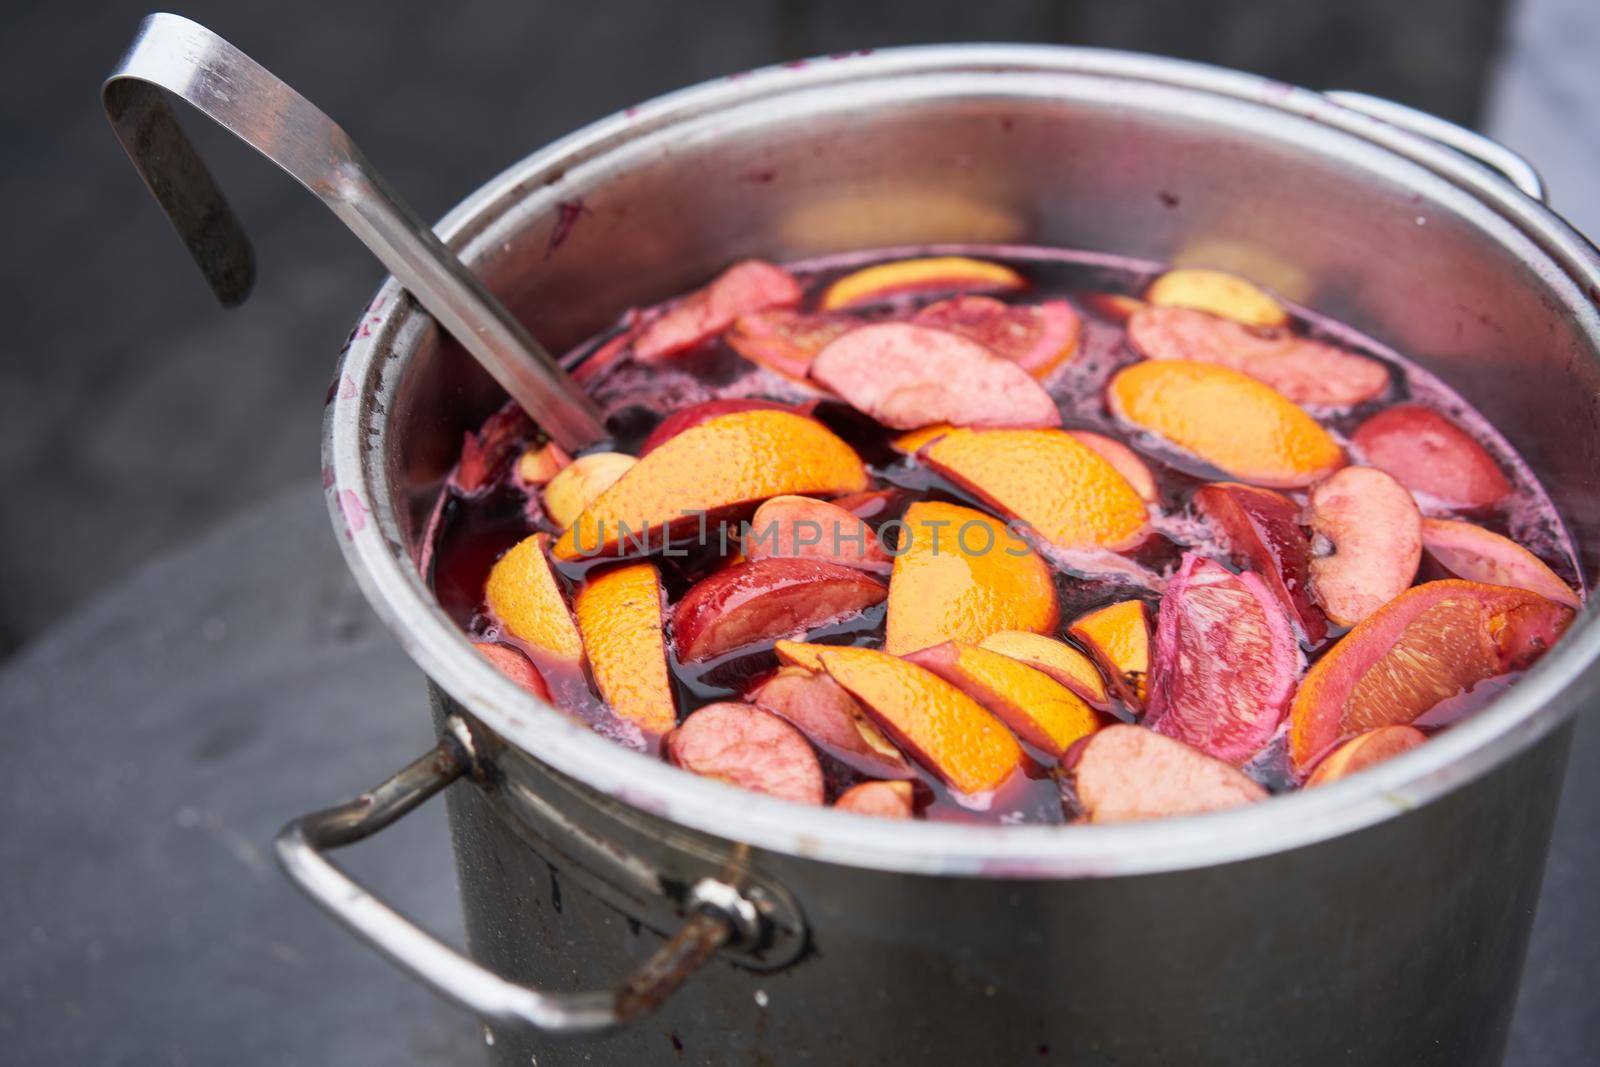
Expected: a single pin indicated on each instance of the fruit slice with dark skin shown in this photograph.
(1225, 662)
(887, 800)
(1128, 773)
(1036, 337)
(802, 528)
(745, 746)
(906, 376)
(818, 707)
(1261, 529)
(1369, 749)
(1429, 454)
(750, 603)
(1432, 642)
(1367, 542)
(752, 285)
(514, 665)
(1037, 708)
(784, 341)
(1480, 555)
(1118, 636)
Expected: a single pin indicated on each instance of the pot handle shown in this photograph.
(1491, 153)
(718, 914)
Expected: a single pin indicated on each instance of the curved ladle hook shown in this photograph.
(185, 59)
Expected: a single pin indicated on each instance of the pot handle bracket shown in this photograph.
(1475, 146)
(718, 913)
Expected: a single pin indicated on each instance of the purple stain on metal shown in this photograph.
(797, 64)
(354, 511)
(567, 212)
(327, 477)
(760, 177)
(347, 388)
(631, 111)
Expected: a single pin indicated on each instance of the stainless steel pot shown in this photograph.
(1382, 919)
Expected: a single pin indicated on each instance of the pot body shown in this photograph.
(1382, 919)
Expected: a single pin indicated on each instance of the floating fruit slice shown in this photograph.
(1432, 642)
(1036, 337)
(1124, 459)
(752, 285)
(537, 466)
(1359, 753)
(819, 707)
(1375, 534)
(937, 724)
(1127, 773)
(1304, 370)
(872, 285)
(1225, 662)
(514, 665)
(522, 593)
(727, 462)
(1117, 307)
(1226, 419)
(960, 575)
(619, 618)
(1219, 293)
(744, 746)
(907, 376)
(1118, 636)
(1056, 658)
(1037, 708)
(887, 800)
(1064, 491)
(1479, 555)
(802, 528)
(762, 600)
(1261, 528)
(483, 452)
(1429, 454)
(705, 411)
(912, 441)
(786, 341)
(581, 482)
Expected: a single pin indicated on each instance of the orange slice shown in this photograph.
(960, 575)
(1066, 492)
(1056, 658)
(734, 460)
(1125, 459)
(930, 274)
(522, 593)
(1039, 709)
(619, 617)
(1226, 419)
(1119, 636)
(940, 726)
(1219, 293)
(911, 441)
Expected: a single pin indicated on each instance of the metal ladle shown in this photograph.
(183, 58)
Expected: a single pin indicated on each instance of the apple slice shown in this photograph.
(620, 620)
(906, 376)
(1261, 528)
(1359, 753)
(802, 528)
(522, 594)
(887, 800)
(960, 575)
(1118, 636)
(514, 665)
(752, 285)
(1127, 773)
(1432, 642)
(1429, 454)
(785, 341)
(1368, 542)
(537, 466)
(1219, 293)
(483, 452)
(1479, 555)
(744, 746)
(726, 463)
(1037, 708)
(1225, 663)
(1036, 337)
(931, 274)
(818, 707)
(762, 600)
(1056, 658)
(581, 482)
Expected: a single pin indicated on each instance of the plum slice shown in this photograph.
(1368, 542)
(819, 708)
(785, 341)
(906, 376)
(887, 800)
(1367, 750)
(1225, 662)
(802, 528)
(1431, 455)
(744, 746)
(1432, 642)
(752, 285)
(1262, 528)
(763, 600)
(1480, 555)
(1127, 773)
(1036, 337)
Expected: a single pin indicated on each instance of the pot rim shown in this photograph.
(357, 490)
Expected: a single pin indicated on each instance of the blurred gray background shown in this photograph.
(189, 663)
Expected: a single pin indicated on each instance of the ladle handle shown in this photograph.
(183, 58)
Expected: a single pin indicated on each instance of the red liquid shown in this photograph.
(472, 531)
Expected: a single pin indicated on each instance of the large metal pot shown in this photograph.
(1383, 919)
